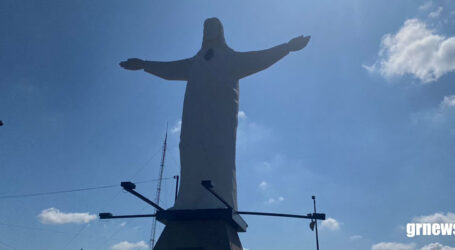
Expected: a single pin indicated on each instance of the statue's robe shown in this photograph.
(209, 121)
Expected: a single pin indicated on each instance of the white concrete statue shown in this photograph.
(211, 105)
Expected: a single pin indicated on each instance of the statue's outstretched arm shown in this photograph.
(248, 63)
(174, 70)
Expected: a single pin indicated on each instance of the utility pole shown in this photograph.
(316, 222)
(176, 177)
(158, 190)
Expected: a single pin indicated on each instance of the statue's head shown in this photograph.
(213, 33)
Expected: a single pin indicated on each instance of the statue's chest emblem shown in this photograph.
(209, 54)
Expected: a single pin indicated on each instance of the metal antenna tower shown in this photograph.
(158, 190)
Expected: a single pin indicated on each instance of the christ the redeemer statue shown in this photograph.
(211, 105)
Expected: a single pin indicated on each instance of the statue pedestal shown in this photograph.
(202, 229)
(198, 235)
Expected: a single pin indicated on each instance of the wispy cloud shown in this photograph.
(355, 237)
(54, 216)
(409, 246)
(436, 246)
(125, 245)
(272, 200)
(440, 118)
(269, 192)
(448, 102)
(177, 127)
(445, 114)
(436, 218)
(250, 133)
(393, 246)
(416, 50)
(436, 13)
(242, 115)
(330, 224)
(263, 185)
(426, 6)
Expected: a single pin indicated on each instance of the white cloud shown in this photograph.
(242, 115)
(125, 245)
(436, 246)
(393, 246)
(436, 13)
(263, 185)
(281, 198)
(122, 224)
(177, 127)
(54, 216)
(355, 237)
(330, 224)
(436, 218)
(416, 50)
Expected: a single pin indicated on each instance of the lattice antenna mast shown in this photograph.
(158, 190)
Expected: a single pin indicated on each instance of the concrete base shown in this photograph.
(199, 235)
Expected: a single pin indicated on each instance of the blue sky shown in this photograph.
(363, 118)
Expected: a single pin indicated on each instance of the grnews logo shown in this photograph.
(429, 229)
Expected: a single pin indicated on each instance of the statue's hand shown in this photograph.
(133, 64)
(298, 43)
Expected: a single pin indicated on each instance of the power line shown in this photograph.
(117, 231)
(28, 227)
(76, 235)
(55, 192)
(146, 163)
(137, 182)
(70, 190)
(86, 226)
(110, 186)
(152, 180)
